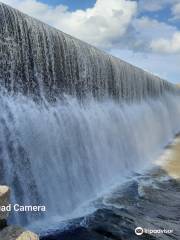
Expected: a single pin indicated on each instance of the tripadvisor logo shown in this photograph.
(139, 231)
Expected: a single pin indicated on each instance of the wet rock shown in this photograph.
(11, 232)
(3, 224)
(150, 201)
(76, 233)
(17, 233)
(115, 225)
(155, 208)
(4, 201)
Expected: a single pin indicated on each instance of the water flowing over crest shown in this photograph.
(39, 60)
(73, 119)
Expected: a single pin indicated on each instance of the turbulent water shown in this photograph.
(73, 120)
(63, 155)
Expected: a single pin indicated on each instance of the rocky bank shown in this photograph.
(11, 232)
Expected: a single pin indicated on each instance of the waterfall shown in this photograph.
(38, 60)
(65, 154)
(74, 120)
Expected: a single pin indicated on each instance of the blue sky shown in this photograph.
(72, 4)
(145, 33)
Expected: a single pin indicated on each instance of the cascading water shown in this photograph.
(73, 120)
(38, 60)
(63, 155)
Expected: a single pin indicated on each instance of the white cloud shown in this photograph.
(148, 29)
(100, 25)
(151, 5)
(154, 5)
(152, 28)
(164, 66)
(176, 11)
(163, 45)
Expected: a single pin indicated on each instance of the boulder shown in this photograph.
(17, 233)
(4, 201)
(11, 232)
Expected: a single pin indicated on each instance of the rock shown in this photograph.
(3, 224)
(17, 233)
(79, 233)
(11, 232)
(4, 201)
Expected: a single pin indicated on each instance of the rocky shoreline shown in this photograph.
(11, 232)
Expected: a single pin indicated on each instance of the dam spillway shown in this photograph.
(38, 59)
(62, 152)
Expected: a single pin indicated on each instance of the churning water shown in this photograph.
(64, 154)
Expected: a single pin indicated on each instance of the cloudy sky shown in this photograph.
(145, 33)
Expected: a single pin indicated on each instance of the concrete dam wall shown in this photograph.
(38, 59)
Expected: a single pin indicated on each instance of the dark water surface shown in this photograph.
(150, 201)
